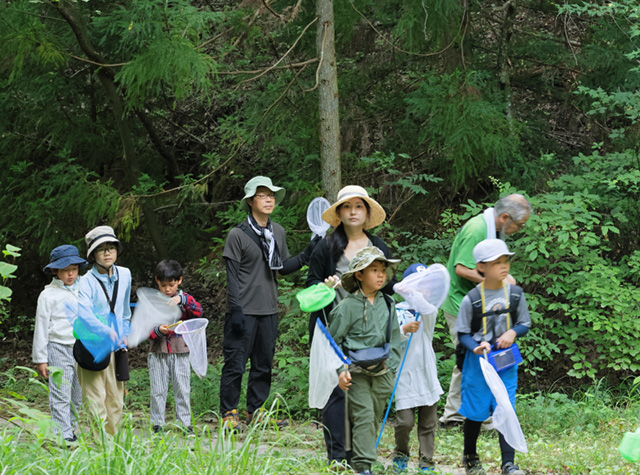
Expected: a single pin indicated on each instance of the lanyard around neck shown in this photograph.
(484, 318)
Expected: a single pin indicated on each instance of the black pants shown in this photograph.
(257, 344)
(333, 417)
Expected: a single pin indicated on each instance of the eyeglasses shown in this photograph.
(520, 225)
(264, 196)
(105, 249)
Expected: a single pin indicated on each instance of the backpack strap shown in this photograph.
(254, 237)
(515, 293)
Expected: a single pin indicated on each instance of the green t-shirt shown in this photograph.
(474, 231)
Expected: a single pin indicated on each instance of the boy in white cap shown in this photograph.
(253, 252)
(53, 337)
(365, 322)
(104, 290)
(491, 316)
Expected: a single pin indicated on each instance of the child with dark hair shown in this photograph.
(103, 308)
(365, 326)
(491, 316)
(169, 355)
(53, 337)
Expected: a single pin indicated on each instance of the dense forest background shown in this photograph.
(150, 116)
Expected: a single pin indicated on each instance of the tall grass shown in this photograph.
(567, 434)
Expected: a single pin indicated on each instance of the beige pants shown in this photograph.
(103, 395)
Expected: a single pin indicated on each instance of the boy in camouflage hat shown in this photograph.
(365, 322)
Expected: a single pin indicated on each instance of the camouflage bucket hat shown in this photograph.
(363, 259)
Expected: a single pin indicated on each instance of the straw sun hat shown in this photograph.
(376, 213)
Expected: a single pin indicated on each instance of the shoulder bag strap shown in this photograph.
(388, 301)
(112, 303)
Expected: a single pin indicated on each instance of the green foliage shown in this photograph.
(465, 129)
(48, 204)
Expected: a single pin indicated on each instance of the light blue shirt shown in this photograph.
(92, 301)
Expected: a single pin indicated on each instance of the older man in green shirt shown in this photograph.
(508, 216)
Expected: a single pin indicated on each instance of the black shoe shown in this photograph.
(188, 431)
(157, 429)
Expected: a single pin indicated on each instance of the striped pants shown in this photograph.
(162, 368)
(64, 400)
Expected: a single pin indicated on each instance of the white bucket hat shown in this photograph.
(100, 235)
(376, 213)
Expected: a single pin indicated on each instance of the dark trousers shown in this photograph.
(333, 418)
(257, 344)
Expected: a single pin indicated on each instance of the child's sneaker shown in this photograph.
(510, 468)
(230, 420)
(188, 432)
(426, 465)
(400, 463)
(472, 465)
(157, 429)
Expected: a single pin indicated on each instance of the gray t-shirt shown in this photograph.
(496, 325)
(258, 289)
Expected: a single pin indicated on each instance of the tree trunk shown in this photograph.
(506, 32)
(328, 100)
(68, 11)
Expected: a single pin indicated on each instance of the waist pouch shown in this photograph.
(505, 358)
(369, 356)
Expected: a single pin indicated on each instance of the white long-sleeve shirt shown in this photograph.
(57, 306)
(418, 385)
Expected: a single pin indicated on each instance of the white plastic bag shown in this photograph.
(324, 361)
(317, 225)
(195, 336)
(153, 309)
(505, 419)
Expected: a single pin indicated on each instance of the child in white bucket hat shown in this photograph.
(104, 291)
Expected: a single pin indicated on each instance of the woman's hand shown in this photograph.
(332, 281)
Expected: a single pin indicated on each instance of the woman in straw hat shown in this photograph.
(351, 216)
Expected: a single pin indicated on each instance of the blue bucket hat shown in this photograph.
(64, 256)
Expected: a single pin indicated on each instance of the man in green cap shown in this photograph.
(254, 251)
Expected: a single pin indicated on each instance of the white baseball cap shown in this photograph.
(490, 250)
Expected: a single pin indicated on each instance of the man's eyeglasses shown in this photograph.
(264, 196)
(519, 225)
(105, 249)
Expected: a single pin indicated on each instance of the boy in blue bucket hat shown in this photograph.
(418, 387)
(53, 337)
